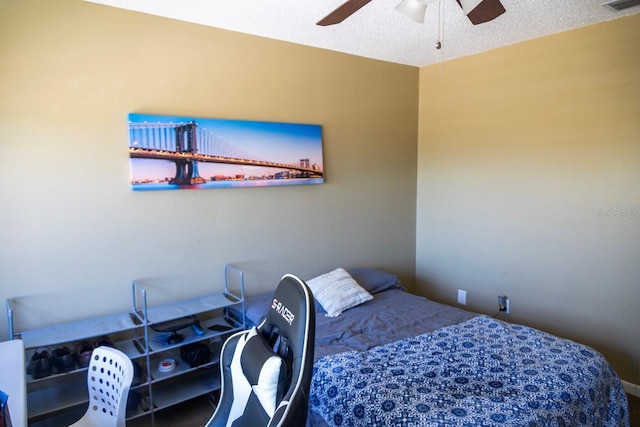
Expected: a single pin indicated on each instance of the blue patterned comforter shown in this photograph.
(479, 372)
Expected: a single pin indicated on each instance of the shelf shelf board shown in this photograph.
(54, 399)
(194, 306)
(158, 340)
(129, 348)
(181, 367)
(76, 331)
(169, 393)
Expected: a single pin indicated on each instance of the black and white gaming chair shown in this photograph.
(266, 371)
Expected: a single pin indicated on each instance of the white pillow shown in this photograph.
(337, 291)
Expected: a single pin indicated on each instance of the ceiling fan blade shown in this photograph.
(343, 12)
(482, 10)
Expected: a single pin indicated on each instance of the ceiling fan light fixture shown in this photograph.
(414, 9)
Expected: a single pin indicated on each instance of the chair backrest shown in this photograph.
(266, 371)
(108, 378)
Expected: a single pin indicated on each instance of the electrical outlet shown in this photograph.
(462, 297)
(503, 304)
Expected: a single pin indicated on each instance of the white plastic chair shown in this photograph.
(108, 379)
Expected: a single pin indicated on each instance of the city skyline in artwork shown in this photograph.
(175, 152)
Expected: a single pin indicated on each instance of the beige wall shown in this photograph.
(522, 153)
(73, 235)
(529, 185)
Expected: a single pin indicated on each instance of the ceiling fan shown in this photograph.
(478, 11)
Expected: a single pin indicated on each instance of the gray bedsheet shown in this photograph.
(390, 316)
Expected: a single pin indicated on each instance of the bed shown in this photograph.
(397, 359)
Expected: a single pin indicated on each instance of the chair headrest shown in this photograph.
(290, 311)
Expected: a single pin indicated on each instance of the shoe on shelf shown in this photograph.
(62, 360)
(105, 341)
(39, 366)
(83, 353)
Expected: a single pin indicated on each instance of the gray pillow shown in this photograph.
(373, 280)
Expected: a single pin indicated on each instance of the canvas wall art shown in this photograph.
(171, 153)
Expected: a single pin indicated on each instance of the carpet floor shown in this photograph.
(196, 413)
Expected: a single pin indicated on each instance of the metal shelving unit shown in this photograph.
(60, 393)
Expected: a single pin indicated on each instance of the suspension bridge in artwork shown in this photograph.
(187, 144)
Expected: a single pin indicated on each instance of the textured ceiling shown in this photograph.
(377, 31)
